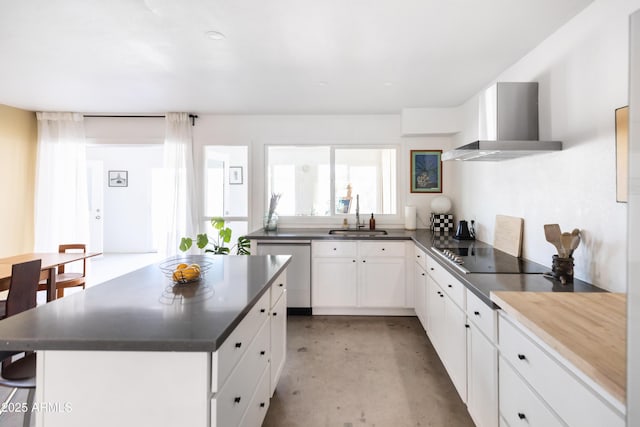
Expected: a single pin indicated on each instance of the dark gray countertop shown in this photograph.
(480, 284)
(140, 311)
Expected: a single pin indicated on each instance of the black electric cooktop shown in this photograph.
(488, 260)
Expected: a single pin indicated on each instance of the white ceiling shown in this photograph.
(279, 56)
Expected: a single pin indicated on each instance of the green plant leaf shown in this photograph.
(225, 234)
(217, 223)
(222, 250)
(185, 244)
(202, 240)
(243, 246)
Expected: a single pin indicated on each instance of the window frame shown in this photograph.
(334, 217)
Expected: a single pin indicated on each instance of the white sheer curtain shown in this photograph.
(61, 205)
(181, 196)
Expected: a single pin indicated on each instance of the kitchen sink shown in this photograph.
(361, 232)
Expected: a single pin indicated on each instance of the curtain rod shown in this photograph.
(193, 117)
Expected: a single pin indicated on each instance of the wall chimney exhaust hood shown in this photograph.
(507, 125)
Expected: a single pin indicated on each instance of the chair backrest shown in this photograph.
(24, 287)
(73, 247)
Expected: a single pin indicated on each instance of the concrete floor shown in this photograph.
(363, 371)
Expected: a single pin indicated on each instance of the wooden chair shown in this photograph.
(68, 280)
(21, 372)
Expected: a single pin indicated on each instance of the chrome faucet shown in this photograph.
(358, 226)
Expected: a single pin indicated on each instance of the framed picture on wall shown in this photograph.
(426, 171)
(235, 175)
(118, 179)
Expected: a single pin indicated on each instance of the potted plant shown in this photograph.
(218, 245)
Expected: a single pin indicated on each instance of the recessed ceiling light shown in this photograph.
(323, 83)
(388, 84)
(215, 35)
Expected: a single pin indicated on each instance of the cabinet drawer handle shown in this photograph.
(441, 295)
(262, 404)
(281, 285)
(237, 399)
(422, 274)
(522, 356)
(262, 353)
(354, 260)
(383, 249)
(477, 313)
(238, 344)
(335, 249)
(467, 326)
(262, 310)
(418, 256)
(451, 286)
(431, 268)
(364, 260)
(275, 313)
(521, 415)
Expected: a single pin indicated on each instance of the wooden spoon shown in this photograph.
(567, 242)
(553, 236)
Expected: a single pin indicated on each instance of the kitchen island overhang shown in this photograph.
(121, 353)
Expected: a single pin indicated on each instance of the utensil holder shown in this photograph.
(562, 269)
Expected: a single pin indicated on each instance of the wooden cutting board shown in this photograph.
(508, 234)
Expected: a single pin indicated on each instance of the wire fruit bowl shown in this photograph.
(184, 270)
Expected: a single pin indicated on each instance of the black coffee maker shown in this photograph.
(463, 231)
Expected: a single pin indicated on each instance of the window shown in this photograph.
(303, 175)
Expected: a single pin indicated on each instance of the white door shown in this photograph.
(95, 188)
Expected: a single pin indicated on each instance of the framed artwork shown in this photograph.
(118, 179)
(235, 175)
(622, 154)
(426, 171)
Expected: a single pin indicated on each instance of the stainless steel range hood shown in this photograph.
(507, 125)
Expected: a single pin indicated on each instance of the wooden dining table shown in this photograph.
(50, 263)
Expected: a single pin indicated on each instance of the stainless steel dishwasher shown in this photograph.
(298, 271)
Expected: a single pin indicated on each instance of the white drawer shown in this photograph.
(259, 403)
(448, 283)
(420, 257)
(237, 342)
(382, 249)
(278, 287)
(331, 248)
(483, 316)
(519, 406)
(230, 403)
(575, 402)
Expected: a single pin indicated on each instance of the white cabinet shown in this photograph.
(420, 286)
(455, 342)
(482, 362)
(435, 314)
(278, 326)
(559, 384)
(229, 387)
(482, 378)
(334, 282)
(360, 277)
(446, 328)
(382, 282)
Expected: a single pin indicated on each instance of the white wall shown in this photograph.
(583, 74)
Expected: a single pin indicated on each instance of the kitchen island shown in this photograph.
(139, 351)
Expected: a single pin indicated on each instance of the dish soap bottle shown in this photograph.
(372, 223)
